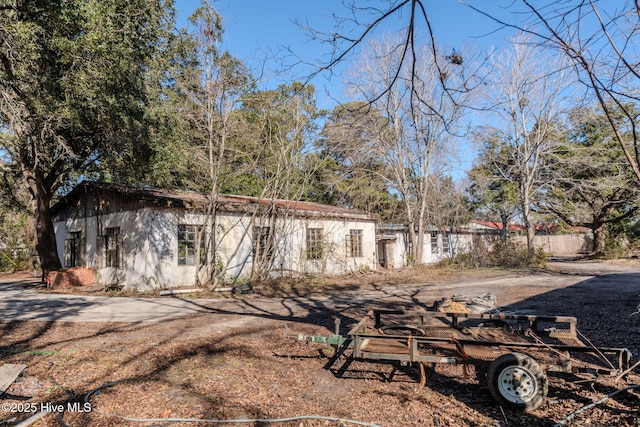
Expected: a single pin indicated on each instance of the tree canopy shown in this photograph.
(589, 184)
(113, 90)
(74, 93)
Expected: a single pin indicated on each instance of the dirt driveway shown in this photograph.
(172, 359)
(20, 299)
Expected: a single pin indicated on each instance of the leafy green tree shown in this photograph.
(354, 177)
(590, 184)
(211, 87)
(73, 93)
(274, 132)
(622, 238)
(271, 157)
(170, 150)
(493, 194)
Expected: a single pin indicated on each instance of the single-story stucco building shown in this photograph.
(148, 238)
(394, 245)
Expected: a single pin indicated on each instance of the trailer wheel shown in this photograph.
(517, 381)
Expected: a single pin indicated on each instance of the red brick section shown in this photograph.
(74, 276)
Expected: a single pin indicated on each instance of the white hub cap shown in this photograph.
(516, 384)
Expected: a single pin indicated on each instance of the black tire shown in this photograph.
(517, 381)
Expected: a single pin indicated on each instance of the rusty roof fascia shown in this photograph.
(280, 211)
(232, 204)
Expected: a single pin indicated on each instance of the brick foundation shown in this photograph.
(74, 276)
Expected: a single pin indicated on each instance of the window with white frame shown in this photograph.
(446, 244)
(314, 243)
(188, 236)
(354, 244)
(434, 242)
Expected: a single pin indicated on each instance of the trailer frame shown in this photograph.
(517, 368)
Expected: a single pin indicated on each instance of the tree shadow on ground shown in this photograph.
(602, 305)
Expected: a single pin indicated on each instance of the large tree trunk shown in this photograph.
(46, 246)
(414, 243)
(598, 239)
(531, 234)
(45, 233)
(419, 249)
(411, 229)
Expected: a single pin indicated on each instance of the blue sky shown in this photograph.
(259, 29)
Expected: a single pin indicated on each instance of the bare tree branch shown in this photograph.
(598, 60)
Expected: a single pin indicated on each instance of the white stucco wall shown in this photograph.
(334, 258)
(396, 251)
(150, 246)
(398, 256)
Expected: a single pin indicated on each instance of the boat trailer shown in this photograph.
(517, 350)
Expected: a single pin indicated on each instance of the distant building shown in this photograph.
(494, 227)
(394, 245)
(147, 238)
(395, 251)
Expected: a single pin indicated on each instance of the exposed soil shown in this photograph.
(230, 366)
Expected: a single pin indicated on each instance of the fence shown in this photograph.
(564, 244)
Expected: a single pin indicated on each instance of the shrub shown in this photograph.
(622, 240)
(16, 260)
(503, 253)
(510, 254)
